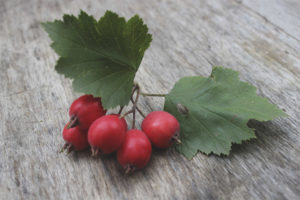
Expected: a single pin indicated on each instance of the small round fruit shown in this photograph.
(107, 134)
(84, 111)
(123, 121)
(162, 128)
(75, 139)
(135, 152)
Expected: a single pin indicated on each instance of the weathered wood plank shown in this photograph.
(283, 14)
(189, 37)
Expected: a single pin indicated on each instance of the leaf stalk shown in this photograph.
(153, 95)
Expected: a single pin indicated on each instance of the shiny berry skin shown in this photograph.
(107, 134)
(75, 138)
(162, 128)
(123, 121)
(85, 110)
(135, 152)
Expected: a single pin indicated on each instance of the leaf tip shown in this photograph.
(82, 12)
(109, 13)
(45, 25)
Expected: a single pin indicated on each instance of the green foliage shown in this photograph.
(217, 110)
(102, 56)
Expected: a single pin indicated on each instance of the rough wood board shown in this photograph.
(283, 14)
(188, 38)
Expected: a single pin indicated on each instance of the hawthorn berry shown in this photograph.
(135, 151)
(162, 128)
(123, 120)
(75, 139)
(107, 134)
(84, 111)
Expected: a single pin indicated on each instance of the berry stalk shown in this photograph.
(153, 95)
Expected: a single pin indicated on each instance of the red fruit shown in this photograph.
(162, 128)
(75, 139)
(107, 134)
(135, 152)
(84, 111)
(123, 121)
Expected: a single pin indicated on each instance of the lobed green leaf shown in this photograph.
(218, 109)
(102, 57)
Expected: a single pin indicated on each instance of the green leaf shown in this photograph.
(213, 112)
(102, 56)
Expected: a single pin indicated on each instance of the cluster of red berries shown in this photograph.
(89, 126)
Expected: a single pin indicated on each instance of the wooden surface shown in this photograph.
(258, 38)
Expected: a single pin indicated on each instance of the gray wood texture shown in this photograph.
(258, 38)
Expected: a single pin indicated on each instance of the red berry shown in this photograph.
(107, 134)
(123, 121)
(75, 139)
(135, 152)
(162, 128)
(84, 111)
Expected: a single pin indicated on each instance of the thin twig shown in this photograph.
(127, 113)
(131, 110)
(136, 86)
(135, 104)
(137, 94)
(133, 119)
(153, 95)
(121, 109)
(138, 109)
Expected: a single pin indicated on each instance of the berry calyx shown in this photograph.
(107, 134)
(135, 151)
(75, 138)
(84, 111)
(162, 128)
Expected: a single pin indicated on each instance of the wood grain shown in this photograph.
(284, 15)
(189, 37)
